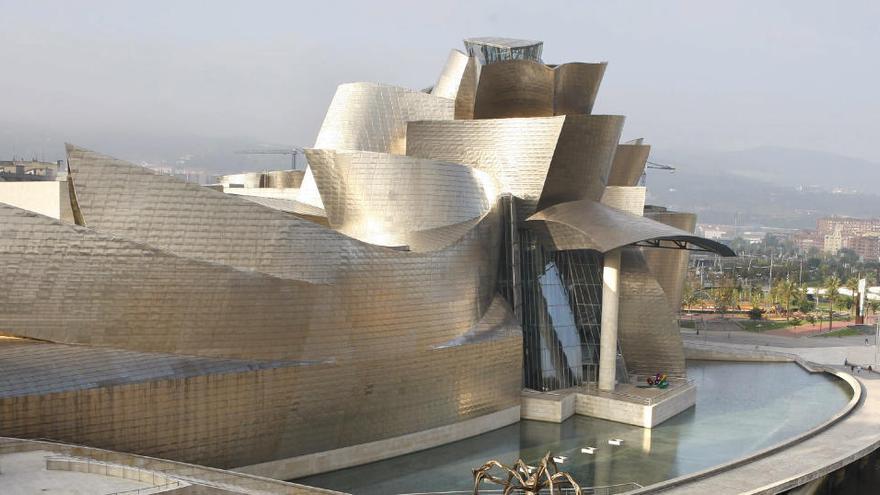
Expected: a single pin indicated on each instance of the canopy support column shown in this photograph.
(608, 337)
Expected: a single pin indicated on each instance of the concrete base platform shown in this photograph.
(629, 404)
(331, 460)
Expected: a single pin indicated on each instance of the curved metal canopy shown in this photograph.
(587, 224)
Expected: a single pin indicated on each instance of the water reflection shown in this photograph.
(741, 408)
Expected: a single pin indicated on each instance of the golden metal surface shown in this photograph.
(648, 332)
(72, 284)
(629, 164)
(514, 88)
(372, 117)
(576, 87)
(526, 88)
(550, 159)
(301, 210)
(386, 199)
(628, 199)
(458, 80)
(516, 152)
(590, 225)
(582, 159)
(670, 266)
(234, 331)
(450, 79)
(194, 222)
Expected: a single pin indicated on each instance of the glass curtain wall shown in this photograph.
(561, 314)
(557, 295)
(487, 54)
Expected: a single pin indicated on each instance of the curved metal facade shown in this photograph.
(366, 308)
(103, 289)
(382, 199)
(582, 159)
(516, 152)
(576, 87)
(629, 164)
(590, 225)
(198, 223)
(670, 266)
(541, 161)
(458, 81)
(648, 334)
(514, 88)
(450, 79)
(373, 117)
(526, 88)
(628, 199)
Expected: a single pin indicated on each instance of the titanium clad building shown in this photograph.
(445, 249)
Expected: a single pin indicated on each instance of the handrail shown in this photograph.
(587, 490)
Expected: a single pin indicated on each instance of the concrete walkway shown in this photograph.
(26, 474)
(854, 436)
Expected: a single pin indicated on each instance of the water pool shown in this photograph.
(741, 408)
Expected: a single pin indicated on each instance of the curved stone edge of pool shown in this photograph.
(743, 475)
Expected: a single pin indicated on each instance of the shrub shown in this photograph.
(807, 306)
(756, 314)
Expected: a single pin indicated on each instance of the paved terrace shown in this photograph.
(852, 437)
(18, 457)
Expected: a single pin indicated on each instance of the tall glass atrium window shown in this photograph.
(561, 306)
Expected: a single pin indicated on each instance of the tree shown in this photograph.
(689, 295)
(724, 295)
(852, 284)
(789, 294)
(832, 286)
(756, 296)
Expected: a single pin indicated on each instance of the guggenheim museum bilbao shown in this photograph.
(448, 255)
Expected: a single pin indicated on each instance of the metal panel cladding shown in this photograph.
(372, 117)
(629, 164)
(391, 199)
(516, 152)
(669, 266)
(649, 336)
(525, 88)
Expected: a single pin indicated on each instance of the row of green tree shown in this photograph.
(786, 297)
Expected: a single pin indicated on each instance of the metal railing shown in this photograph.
(587, 490)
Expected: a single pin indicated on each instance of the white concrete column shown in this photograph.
(608, 338)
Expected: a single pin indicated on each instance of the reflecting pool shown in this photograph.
(741, 408)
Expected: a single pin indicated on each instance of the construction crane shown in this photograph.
(654, 165)
(293, 152)
(659, 166)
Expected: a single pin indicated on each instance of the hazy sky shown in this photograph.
(687, 74)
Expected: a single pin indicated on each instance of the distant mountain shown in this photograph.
(787, 167)
(766, 186)
(215, 155)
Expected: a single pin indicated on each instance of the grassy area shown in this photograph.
(688, 324)
(762, 325)
(843, 332)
